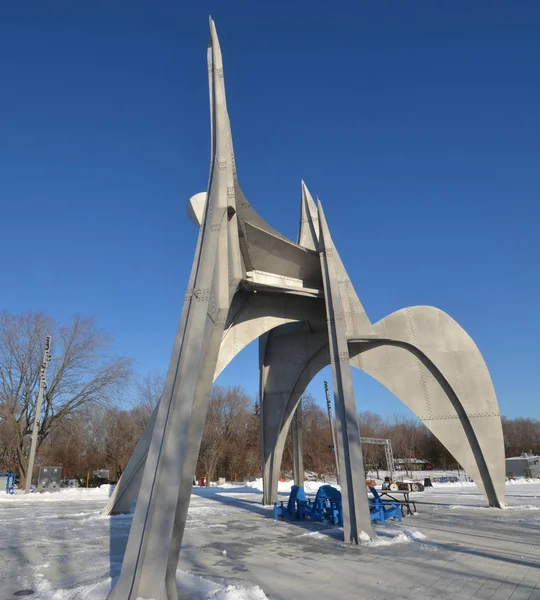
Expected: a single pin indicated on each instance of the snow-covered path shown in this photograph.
(59, 546)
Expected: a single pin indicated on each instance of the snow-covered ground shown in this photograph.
(63, 534)
(62, 548)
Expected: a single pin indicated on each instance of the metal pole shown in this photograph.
(296, 438)
(332, 429)
(35, 431)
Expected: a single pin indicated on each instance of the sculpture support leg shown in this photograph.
(272, 464)
(288, 355)
(318, 360)
(296, 435)
(198, 417)
(275, 424)
(126, 490)
(356, 518)
(157, 527)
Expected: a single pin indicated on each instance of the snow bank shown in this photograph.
(403, 537)
(493, 509)
(453, 484)
(521, 481)
(198, 588)
(319, 534)
(311, 487)
(386, 537)
(284, 487)
(232, 592)
(461, 484)
(91, 592)
(62, 495)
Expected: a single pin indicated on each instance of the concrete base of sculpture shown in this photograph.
(250, 282)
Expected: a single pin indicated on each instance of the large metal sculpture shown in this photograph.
(248, 281)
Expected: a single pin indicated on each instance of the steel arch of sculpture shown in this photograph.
(250, 282)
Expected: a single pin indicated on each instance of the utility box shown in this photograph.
(526, 465)
(50, 479)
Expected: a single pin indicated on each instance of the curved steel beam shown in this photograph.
(250, 317)
(485, 482)
(445, 382)
(455, 431)
(283, 381)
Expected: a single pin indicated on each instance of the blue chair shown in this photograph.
(333, 508)
(381, 510)
(293, 510)
(325, 507)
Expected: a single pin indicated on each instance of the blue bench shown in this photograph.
(380, 510)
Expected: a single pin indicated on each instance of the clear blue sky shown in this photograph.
(418, 119)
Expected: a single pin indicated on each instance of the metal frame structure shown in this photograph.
(388, 453)
(250, 282)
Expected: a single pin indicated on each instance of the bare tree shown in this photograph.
(372, 425)
(317, 438)
(122, 435)
(226, 421)
(80, 374)
(148, 393)
(521, 435)
(8, 453)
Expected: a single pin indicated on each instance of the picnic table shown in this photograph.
(408, 507)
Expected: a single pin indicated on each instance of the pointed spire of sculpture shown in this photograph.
(308, 234)
(356, 318)
(324, 233)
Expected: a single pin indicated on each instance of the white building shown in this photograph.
(526, 465)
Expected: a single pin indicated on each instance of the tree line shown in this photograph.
(95, 411)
